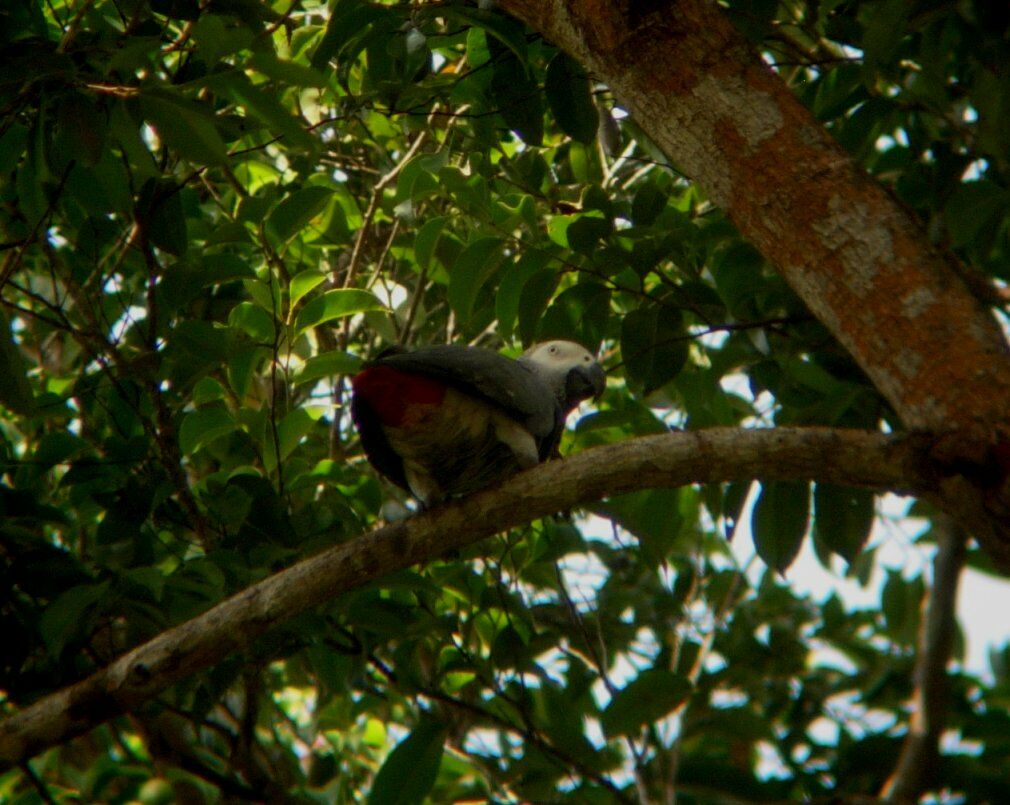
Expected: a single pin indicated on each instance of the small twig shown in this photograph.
(74, 26)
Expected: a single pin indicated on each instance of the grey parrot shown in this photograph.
(441, 421)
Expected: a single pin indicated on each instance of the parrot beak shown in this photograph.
(584, 382)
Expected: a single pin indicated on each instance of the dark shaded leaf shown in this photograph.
(296, 211)
(568, 94)
(15, 390)
(843, 518)
(409, 772)
(184, 126)
(649, 697)
(654, 346)
(779, 521)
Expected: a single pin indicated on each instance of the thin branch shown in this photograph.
(37, 783)
(920, 756)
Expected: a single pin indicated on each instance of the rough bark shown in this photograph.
(859, 260)
(872, 460)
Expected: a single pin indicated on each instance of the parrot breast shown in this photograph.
(432, 438)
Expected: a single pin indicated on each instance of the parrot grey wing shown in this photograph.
(486, 375)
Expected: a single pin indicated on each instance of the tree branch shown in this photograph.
(917, 766)
(857, 458)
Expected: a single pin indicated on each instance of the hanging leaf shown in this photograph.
(183, 126)
(473, 266)
(302, 284)
(511, 286)
(843, 518)
(569, 95)
(649, 697)
(654, 345)
(327, 364)
(159, 210)
(296, 211)
(779, 522)
(518, 99)
(204, 426)
(409, 772)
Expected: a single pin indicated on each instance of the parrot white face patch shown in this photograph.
(559, 356)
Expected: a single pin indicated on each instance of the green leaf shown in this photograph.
(473, 266)
(15, 390)
(648, 203)
(267, 63)
(649, 697)
(886, 26)
(409, 771)
(504, 29)
(654, 345)
(204, 426)
(652, 515)
(511, 286)
(269, 110)
(348, 19)
(533, 299)
(302, 284)
(292, 429)
(568, 94)
(327, 364)
(975, 211)
(843, 518)
(335, 304)
(80, 130)
(779, 522)
(579, 313)
(184, 126)
(159, 213)
(253, 320)
(71, 615)
(296, 211)
(426, 240)
(518, 99)
(58, 447)
(584, 232)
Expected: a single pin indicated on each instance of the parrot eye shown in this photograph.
(552, 350)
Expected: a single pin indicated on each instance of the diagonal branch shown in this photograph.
(857, 458)
(920, 755)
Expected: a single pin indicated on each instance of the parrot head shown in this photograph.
(568, 369)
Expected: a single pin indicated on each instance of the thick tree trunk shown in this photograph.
(861, 263)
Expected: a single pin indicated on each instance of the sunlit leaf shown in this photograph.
(335, 304)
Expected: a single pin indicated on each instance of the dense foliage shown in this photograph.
(210, 213)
